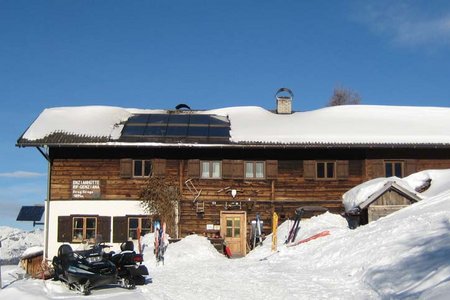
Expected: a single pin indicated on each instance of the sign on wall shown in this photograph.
(86, 189)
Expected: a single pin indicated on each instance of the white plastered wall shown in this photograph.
(108, 208)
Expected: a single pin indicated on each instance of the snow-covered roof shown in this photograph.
(360, 195)
(339, 125)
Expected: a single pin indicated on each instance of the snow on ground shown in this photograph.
(405, 255)
(402, 256)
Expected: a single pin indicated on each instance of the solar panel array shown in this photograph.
(31, 213)
(176, 127)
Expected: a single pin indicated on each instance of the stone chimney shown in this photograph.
(284, 102)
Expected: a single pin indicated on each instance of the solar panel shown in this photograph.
(198, 131)
(219, 132)
(177, 130)
(133, 130)
(177, 127)
(31, 213)
(158, 119)
(138, 119)
(179, 119)
(199, 119)
(155, 130)
(219, 120)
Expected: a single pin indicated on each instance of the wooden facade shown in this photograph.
(290, 178)
(229, 164)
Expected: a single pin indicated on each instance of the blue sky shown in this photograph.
(208, 54)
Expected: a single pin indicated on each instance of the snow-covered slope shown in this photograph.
(17, 242)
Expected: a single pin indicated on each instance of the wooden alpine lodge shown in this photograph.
(229, 164)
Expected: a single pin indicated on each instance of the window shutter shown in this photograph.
(272, 169)
(238, 169)
(120, 228)
(227, 169)
(64, 229)
(104, 228)
(194, 168)
(126, 168)
(378, 168)
(410, 167)
(342, 169)
(158, 167)
(309, 169)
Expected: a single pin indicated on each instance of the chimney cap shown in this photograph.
(284, 89)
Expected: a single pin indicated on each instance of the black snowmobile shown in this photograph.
(83, 270)
(131, 271)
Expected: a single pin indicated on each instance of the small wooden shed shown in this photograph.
(388, 199)
(32, 263)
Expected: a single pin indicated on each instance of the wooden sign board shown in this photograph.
(86, 189)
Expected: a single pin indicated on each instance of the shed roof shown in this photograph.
(390, 186)
(352, 125)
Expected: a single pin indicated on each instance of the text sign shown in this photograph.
(86, 189)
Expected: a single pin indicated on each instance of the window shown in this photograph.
(393, 168)
(211, 169)
(142, 168)
(254, 169)
(84, 228)
(233, 227)
(325, 170)
(134, 223)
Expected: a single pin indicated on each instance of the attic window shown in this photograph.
(393, 168)
(142, 168)
(325, 170)
(254, 169)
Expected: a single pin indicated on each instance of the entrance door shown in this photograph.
(233, 227)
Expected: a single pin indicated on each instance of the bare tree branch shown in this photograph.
(344, 96)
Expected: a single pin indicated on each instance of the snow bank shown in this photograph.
(308, 227)
(191, 249)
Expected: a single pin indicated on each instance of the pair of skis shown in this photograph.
(257, 232)
(295, 227)
(160, 241)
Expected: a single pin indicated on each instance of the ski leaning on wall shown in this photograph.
(257, 231)
(160, 241)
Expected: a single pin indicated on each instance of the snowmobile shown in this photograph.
(131, 271)
(83, 270)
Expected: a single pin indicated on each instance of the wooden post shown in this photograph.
(274, 231)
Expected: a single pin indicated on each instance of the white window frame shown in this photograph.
(210, 165)
(253, 172)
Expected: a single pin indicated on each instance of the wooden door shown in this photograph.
(233, 228)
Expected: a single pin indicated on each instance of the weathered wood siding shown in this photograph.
(288, 185)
